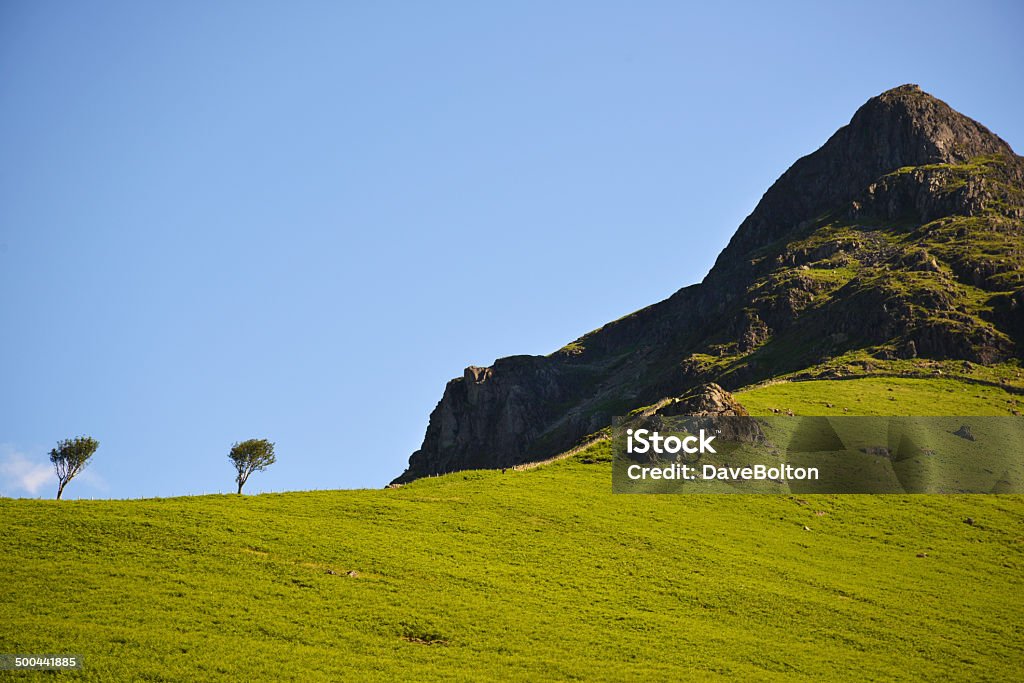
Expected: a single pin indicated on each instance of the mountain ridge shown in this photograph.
(903, 126)
(898, 239)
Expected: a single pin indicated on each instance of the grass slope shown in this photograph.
(533, 575)
(882, 396)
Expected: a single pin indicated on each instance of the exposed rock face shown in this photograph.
(490, 415)
(903, 127)
(900, 238)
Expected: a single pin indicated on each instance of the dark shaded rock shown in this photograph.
(902, 127)
(964, 433)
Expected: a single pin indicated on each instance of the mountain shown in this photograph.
(897, 247)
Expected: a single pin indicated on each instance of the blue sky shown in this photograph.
(297, 220)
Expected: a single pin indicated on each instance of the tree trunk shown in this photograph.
(60, 489)
(239, 488)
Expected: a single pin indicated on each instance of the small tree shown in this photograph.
(254, 455)
(70, 457)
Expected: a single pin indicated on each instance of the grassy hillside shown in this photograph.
(882, 396)
(532, 575)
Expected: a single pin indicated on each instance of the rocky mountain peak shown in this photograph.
(901, 127)
(906, 126)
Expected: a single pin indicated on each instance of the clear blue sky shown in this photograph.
(296, 220)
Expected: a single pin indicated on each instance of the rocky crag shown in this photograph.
(901, 238)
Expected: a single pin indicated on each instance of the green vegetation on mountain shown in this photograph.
(539, 574)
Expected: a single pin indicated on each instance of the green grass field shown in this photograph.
(882, 396)
(540, 574)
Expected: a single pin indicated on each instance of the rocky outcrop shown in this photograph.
(490, 417)
(709, 400)
(900, 237)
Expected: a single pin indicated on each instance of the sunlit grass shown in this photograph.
(530, 575)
